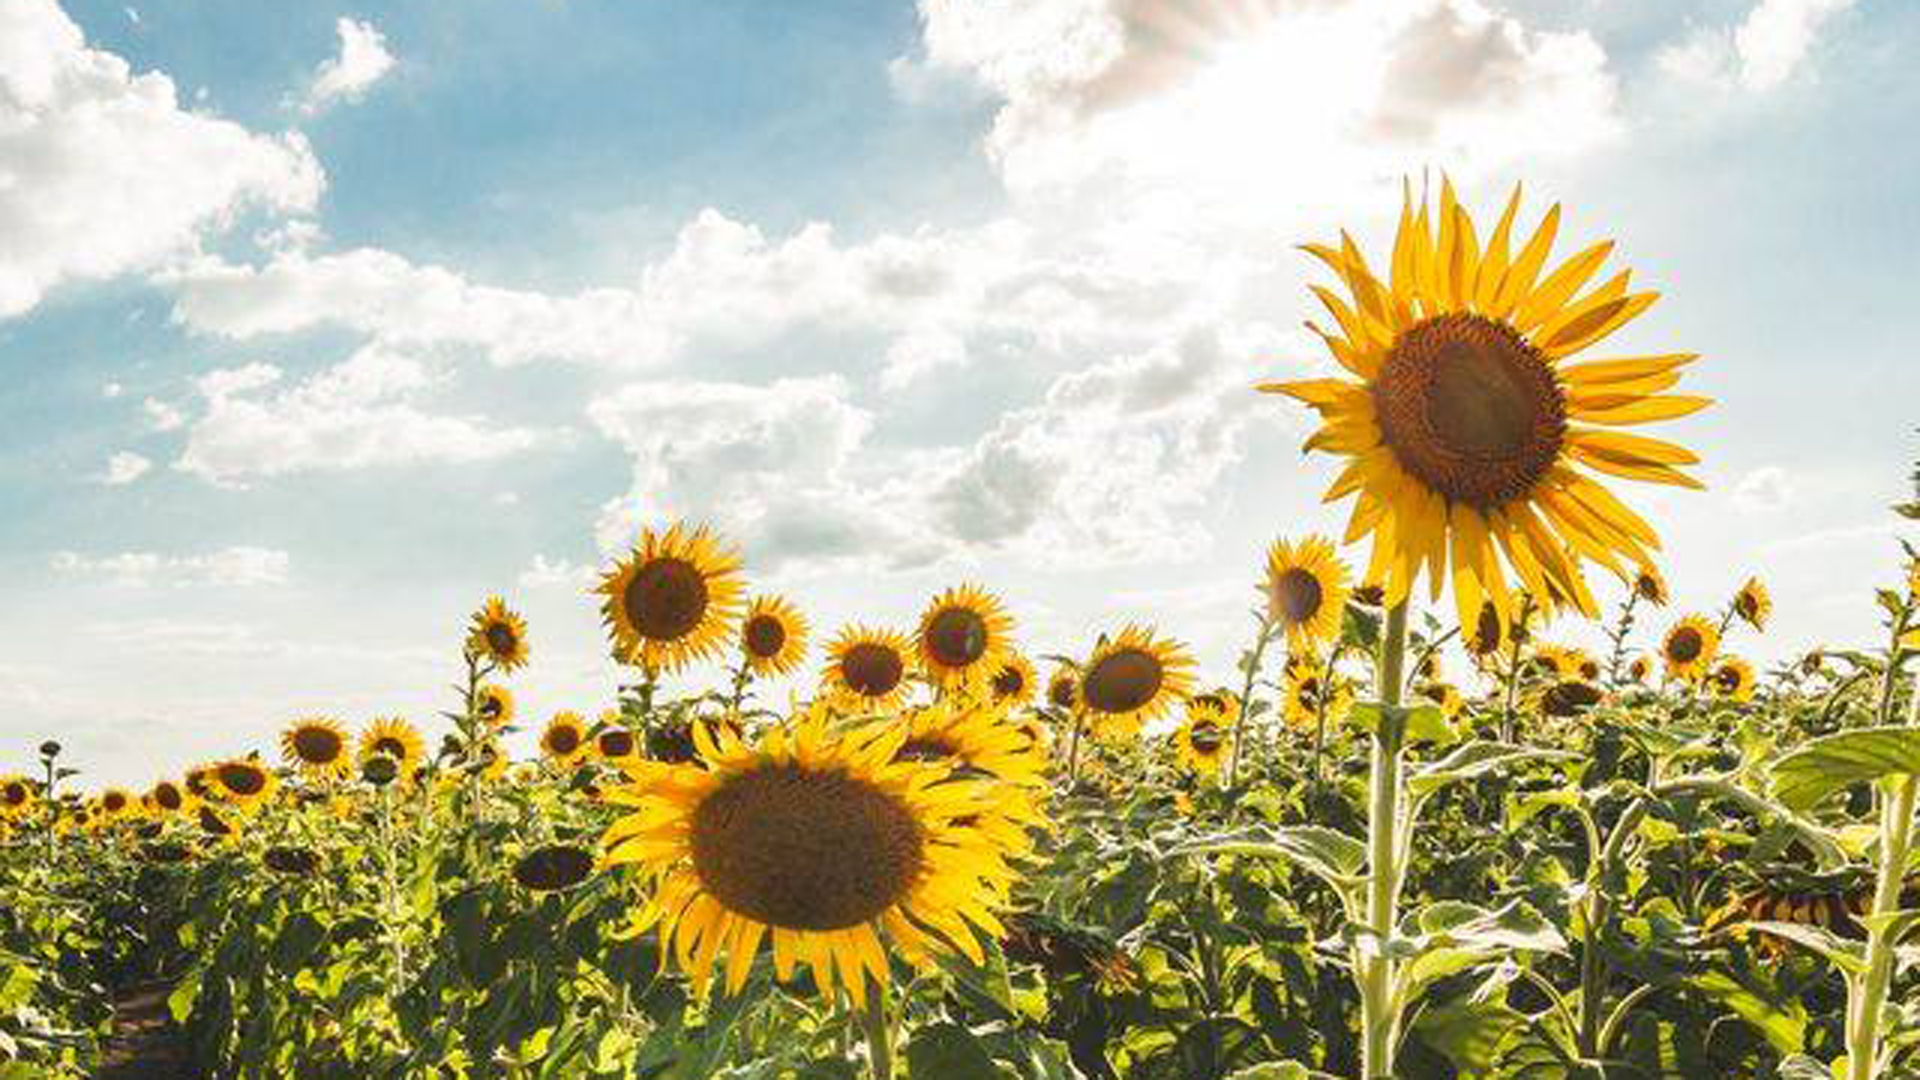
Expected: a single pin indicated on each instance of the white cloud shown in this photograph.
(162, 416)
(238, 566)
(111, 390)
(1763, 52)
(363, 60)
(357, 414)
(125, 467)
(545, 573)
(1764, 489)
(102, 172)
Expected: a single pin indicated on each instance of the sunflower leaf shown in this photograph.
(1834, 762)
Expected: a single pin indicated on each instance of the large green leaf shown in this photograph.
(1475, 759)
(1783, 1024)
(947, 1051)
(1328, 854)
(1834, 762)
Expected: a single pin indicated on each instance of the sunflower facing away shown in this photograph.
(1306, 590)
(395, 738)
(963, 635)
(1013, 684)
(499, 635)
(1063, 690)
(773, 637)
(1464, 418)
(1689, 647)
(1732, 679)
(494, 705)
(824, 843)
(673, 599)
(1132, 678)
(866, 669)
(245, 783)
(565, 739)
(1752, 604)
(317, 747)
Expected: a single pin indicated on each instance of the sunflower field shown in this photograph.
(1412, 833)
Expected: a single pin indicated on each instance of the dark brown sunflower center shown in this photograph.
(1061, 693)
(213, 824)
(1309, 691)
(560, 866)
(243, 779)
(1009, 683)
(1747, 604)
(666, 599)
(1296, 596)
(501, 639)
(1590, 669)
(806, 850)
(765, 636)
(1685, 645)
(114, 802)
(1122, 681)
(872, 670)
(14, 794)
(563, 740)
(390, 746)
(1568, 698)
(491, 706)
(923, 748)
(1728, 679)
(1206, 738)
(317, 745)
(616, 743)
(167, 797)
(957, 637)
(1470, 408)
(1649, 588)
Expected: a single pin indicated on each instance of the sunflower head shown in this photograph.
(1689, 647)
(1648, 585)
(1639, 668)
(866, 669)
(493, 704)
(553, 868)
(1569, 697)
(317, 747)
(1013, 685)
(1732, 679)
(1132, 678)
(498, 635)
(16, 796)
(168, 797)
(115, 802)
(1466, 422)
(615, 744)
(1314, 694)
(1306, 590)
(1063, 689)
(564, 741)
(393, 737)
(963, 636)
(972, 741)
(673, 599)
(245, 782)
(1752, 604)
(1202, 743)
(773, 637)
(1443, 694)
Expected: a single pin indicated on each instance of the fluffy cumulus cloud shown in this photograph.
(1763, 51)
(102, 171)
(346, 76)
(238, 566)
(361, 412)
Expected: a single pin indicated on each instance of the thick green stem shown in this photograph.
(1379, 1018)
(876, 1019)
(1870, 990)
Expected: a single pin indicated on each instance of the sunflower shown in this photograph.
(1585, 664)
(773, 637)
(1551, 661)
(963, 636)
(1202, 743)
(565, 739)
(215, 824)
(499, 635)
(493, 704)
(1487, 640)
(614, 743)
(202, 784)
(1312, 689)
(1639, 668)
(393, 737)
(673, 599)
(553, 868)
(1568, 697)
(1133, 678)
(115, 803)
(317, 747)
(1013, 684)
(1306, 590)
(16, 797)
(1752, 604)
(1732, 678)
(168, 797)
(1649, 585)
(977, 741)
(1063, 690)
(822, 842)
(866, 669)
(244, 782)
(1443, 694)
(1466, 423)
(1689, 647)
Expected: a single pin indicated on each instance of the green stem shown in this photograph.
(1246, 699)
(1379, 1019)
(1073, 749)
(876, 1019)
(1896, 844)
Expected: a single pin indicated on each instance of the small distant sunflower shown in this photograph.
(1568, 697)
(1732, 679)
(565, 739)
(499, 635)
(821, 842)
(1648, 585)
(16, 796)
(202, 784)
(168, 797)
(115, 803)
(1560, 661)
(773, 637)
(1486, 640)
(674, 598)
(394, 737)
(963, 636)
(1689, 647)
(1063, 690)
(1312, 689)
(1013, 685)
(1306, 590)
(1585, 664)
(1444, 694)
(615, 744)
(1752, 604)
(1640, 668)
(1133, 678)
(1202, 743)
(317, 747)
(245, 782)
(866, 669)
(493, 704)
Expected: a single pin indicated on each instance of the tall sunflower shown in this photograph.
(1464, 420)
(494, 705)
(317, 747)
(1306, 590)
(773, 637)
(565, 739)
(866, 669)
(394, 737)
(1013, 684)
(1689, 647)
(673, 599)
(499, 635)
(1732, 678)
(1132, 678)
(1753, 604)
(964, 633)
(823, 843)
(245, 783)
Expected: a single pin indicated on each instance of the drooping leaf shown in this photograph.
(1834, 762)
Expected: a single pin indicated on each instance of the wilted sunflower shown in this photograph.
(1732, 678)
(1752, 604)
(1689, 647)
(494, 705)
(1132, 678)
(1013, 684)
(317, 747)
(168, 797)
(1201, 744)
(565, 739)
(1313, 692)
(394, 737)
(866, 669)
(773, 637)
(964, 633)
(498, 635)
(1650, 586)
(673, 599)
(822, 842)
(1466, 423)
(1306, 590)
(245, 782)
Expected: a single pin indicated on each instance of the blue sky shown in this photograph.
(321, 324)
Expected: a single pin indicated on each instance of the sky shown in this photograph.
(320, 325)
